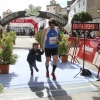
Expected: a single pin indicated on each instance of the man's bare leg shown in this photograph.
(47, 66)
(55, 57)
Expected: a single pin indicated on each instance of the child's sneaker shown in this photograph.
(31, 72)
(53, 75)
(47, 74)
(37, 69)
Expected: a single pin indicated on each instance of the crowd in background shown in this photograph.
(21, 32)
(88, 34)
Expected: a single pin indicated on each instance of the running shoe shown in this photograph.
(47, 74)
(53, 75)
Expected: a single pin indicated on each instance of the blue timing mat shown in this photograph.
(19, 75)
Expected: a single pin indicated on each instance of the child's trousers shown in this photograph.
(33, 65)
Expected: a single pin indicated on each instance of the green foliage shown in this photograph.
(75, 18)
(38, 36)
(13, 35)
(5, 33)
(65, 17)
(82, 17)
(6, 52)
(64, 46)
(1, 88)
(61, 36)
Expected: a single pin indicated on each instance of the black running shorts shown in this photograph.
(51, 52)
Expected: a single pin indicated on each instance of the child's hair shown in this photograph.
(35, 44)
(52, 21)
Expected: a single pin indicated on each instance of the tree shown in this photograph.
(65, 17)
(82, 17)
(75, 18)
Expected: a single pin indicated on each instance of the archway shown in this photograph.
(19, 20)
(34, 12)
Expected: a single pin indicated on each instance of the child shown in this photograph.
(34, 54)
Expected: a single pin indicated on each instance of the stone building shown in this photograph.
(6, 13)
(56, 8)
(92, 8)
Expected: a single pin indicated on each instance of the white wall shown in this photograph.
(64, 11)
(76, 4)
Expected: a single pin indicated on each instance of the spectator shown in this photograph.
(64, 31)
(24, 33)
(31, 33)
(88, 35)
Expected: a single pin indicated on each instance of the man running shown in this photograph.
(50, 35)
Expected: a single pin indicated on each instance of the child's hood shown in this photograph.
(30, 49)
(33, 49)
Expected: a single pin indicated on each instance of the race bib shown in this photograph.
(52, 40)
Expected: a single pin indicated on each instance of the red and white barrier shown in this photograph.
(90, 51)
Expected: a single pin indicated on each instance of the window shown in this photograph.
(83, 3)
(47, 8)
(79, 5)
(74, 10)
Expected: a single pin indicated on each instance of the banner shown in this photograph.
(34, 12)
(68, 28)
(70, 17)
(22, 20)
(70, 40)
(90, 49)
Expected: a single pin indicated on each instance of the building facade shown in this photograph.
(56, 8)
(6, 13)
(78, 6)
(89, 6)
(92, 9)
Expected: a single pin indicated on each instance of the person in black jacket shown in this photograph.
(34, 54)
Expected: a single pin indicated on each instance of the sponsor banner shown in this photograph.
(90, 50)
(70, 40)
(74, 40)
(70, 16)
(19, 20)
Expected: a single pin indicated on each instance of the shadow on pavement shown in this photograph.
(54, 91)
(96, 98)
(38, 86)
(5, 79)
(67, 65)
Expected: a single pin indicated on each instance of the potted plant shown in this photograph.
(1, 88)
(63, 48)
(13, 34)
(6, 53)
(38, 37)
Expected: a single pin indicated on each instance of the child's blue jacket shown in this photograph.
(31, 57)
